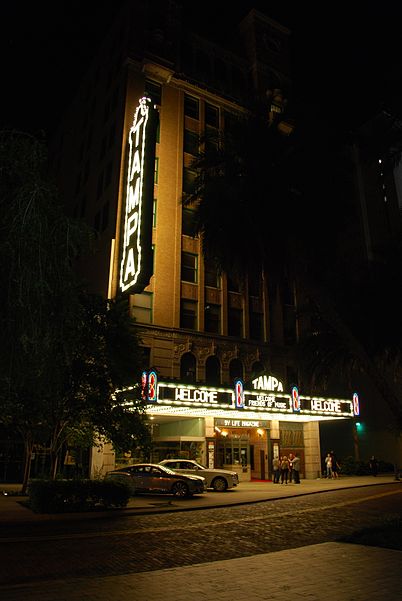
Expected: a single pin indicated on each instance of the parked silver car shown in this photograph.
(149, 477)
(218, 479)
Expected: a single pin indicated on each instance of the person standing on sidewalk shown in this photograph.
(284, 469)
(328, 465)
(291, 456)
(276, 466)
(296, 469)
(335, 465)
(373, 465)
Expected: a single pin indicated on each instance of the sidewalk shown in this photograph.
(12, 511)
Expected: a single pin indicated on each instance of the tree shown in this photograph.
(283, 206)
(63, 352)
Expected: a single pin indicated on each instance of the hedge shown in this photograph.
(59, 496)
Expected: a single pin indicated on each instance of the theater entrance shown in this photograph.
(242, 449)
(233, 453)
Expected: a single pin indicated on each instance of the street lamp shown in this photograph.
(357, 427)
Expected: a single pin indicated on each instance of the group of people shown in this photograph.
(286, 469)
(332, 467)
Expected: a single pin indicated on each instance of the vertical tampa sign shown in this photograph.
(136, 260)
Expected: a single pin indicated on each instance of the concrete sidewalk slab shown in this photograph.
(324, 572)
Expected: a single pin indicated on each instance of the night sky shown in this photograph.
(347, 57)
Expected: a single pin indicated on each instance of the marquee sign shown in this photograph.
(190, 395)
(256, 401)
(136, 261)
(267, 402)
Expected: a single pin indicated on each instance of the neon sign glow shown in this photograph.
(295, 399)
(136, 268)
(239, 394)
(356, 406)
(267, 383)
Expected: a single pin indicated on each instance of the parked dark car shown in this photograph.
(149, 477)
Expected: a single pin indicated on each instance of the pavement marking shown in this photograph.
(292, 512)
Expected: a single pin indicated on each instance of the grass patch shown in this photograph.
(387, 535)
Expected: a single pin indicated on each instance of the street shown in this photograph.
(117, 545)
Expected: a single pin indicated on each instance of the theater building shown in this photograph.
(122, 165)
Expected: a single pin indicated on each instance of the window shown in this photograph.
(189, 267)
(256, 326)
(292, 376)
(233, 284)
(156, 173)
(191, 142)
(188, 315)
(289, 324)
(141, 309)
(189, 177)
(187, 368)
(154, 212)
(254, 286)
(256, 369)
(211, 115)
(235, 322)
(211, 276)
(236, 369)
(213, 319)
(188, 222)
(146, 356)
(154, 91)
(213, 371)
(191, 107)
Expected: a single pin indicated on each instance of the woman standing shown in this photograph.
(284, 469)
(328, 465)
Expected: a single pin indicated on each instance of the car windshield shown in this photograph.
(168, 470)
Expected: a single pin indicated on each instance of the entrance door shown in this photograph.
(262, 464)
(233, 452)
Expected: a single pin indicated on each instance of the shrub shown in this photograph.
(111, 493)
(58, 496)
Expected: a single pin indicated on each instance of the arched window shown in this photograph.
(213, 371)
(236, 369)
(188, 368)
(257, 368)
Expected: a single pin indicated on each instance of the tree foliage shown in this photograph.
(286, 206)
(64, 352)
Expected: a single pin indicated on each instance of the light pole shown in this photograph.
(356, 426)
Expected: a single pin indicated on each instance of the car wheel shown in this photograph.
(219, 484)
(180, 489)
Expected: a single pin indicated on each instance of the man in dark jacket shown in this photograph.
(296, 469)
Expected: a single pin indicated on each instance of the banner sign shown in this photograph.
(190, 395)
(241, 423)
(136, 261)
(267, 402)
